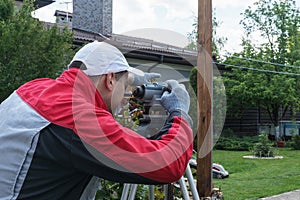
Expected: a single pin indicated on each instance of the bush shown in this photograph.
(263, 148)
(27, 50)
(235, 143)
(295, 143)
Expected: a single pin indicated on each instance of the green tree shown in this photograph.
(6, 9)
(277, 22)
(28, 50)
(218, 98)
(272, 83)
(294, 49)
(217, 42)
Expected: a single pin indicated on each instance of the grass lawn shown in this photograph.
(253, 178)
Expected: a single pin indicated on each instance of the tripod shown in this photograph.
(129, 190)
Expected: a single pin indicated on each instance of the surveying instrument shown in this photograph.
(150, 95)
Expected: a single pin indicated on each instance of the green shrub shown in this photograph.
(109, 190)
(235, 143)
(295, 143)
(263, 148)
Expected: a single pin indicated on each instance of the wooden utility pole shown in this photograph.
(204, 88)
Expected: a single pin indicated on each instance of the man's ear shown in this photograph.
(109, 81)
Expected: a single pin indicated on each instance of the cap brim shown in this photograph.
(136, 71)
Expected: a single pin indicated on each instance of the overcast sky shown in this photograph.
(167, 21)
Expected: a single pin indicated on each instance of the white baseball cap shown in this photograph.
(102, 58)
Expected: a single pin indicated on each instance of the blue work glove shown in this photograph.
(146, 78)
(176, 100)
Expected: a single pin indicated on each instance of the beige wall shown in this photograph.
(167, 70)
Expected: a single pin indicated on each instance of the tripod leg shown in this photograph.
(151, 192)
(168, 189)
(132, 191)
(183, 188)
(125, 191)
(190, 177)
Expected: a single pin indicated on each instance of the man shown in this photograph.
(59, 136)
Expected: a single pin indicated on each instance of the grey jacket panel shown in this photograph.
(19, 131)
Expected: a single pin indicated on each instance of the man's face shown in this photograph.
(118, 92)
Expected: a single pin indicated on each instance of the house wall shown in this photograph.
(255, 121)
(168, 71)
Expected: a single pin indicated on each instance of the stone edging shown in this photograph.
(255, 157)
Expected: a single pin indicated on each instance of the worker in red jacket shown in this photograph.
(58, 137)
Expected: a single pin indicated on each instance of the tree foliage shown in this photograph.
(217, 42)
(6, 9)
(218, 98)
(277, 21)
(266, 77)
(28, 50)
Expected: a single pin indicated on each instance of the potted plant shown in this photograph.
(280, 142)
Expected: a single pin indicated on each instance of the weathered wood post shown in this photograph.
(204, 88)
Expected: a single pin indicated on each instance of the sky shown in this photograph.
(167, 21)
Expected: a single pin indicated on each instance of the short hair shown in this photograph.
(120, 74)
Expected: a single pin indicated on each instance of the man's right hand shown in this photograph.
(177, 99)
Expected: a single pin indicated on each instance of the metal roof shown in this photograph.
(134, 47)
(140, 47)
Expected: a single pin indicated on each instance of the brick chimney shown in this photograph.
(93, 15)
